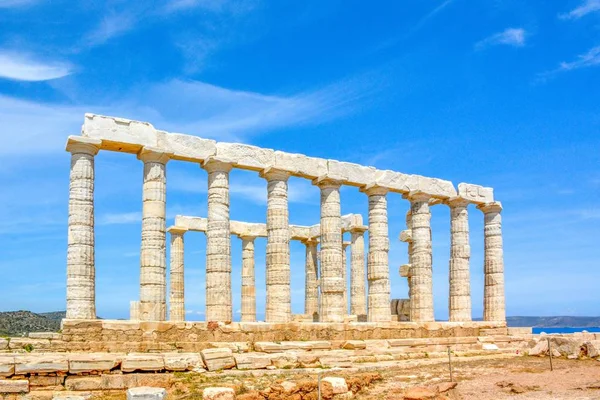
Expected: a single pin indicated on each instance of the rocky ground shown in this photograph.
(482, 378)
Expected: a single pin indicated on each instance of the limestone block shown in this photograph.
(285, 360)
(45, 335)
(62, 396)
(406, 236)
(315, 231)
(81, 383)
(335, 361)
(7, 365)
(47, 382)
(338, 385)
(236, 347)
(22, 342)
(191, 223)
(247, 229)
(252, 360)
(271, 347)
(245, 156)
(437, 188)
(352, 174)
(14, 386)
(186, 147)
(405, 270)
(143, 362)
(182, 361)
(308, 359)
(396, 181)
(218, 393)
(540, 349)
(41, 364)
(475, 193)
(354, 345)
(146, 393)
(125, 135)
(301, 165)
(218, 359)
(3, 344)
(299, 232)
(88, 362)
(489, 346)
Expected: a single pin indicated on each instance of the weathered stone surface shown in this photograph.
(248, 280)
(300, 165)
(358, 304)
(246, 156)
(460, 254)
(352, 174)
(45, 335)
(14, 386)
(335, 361)
(143, 362)
(3, 344)
(475, 193)
(420, 393)
(271, 347)
(7, 365)
(47, 382)
(338, 385)
(218, 393)
(41, 363)
(182, 361)
(493, 293)
(186, 147)
(218, 359)
(311, 290)
(252, 361)
(88, 362)
(41, 395)
(146, 393)
(285, 360)
(354, 345)
(177, 277)
(120, 134)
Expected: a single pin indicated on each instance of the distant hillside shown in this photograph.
(18, 323)
(554, 322)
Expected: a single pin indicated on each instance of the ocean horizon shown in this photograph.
(566, 329)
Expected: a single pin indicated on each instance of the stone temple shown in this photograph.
(326, 295)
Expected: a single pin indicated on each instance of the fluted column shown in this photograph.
(378, 271)
(345, 274)
(459, 303)
(81, 272)
(279, 306)
(218, 242)
(421, 270)
(311, 290)
(493, 293)
(331, 284)
(248, 280)
(357, 271)
(153, 254)
(406, 237)
(177, 276)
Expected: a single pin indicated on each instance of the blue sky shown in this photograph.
(501, 93)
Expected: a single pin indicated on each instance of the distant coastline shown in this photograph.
(555, 322)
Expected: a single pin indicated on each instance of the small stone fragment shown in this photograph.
(146, 393)
(218, 393)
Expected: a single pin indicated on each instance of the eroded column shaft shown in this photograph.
(421, 284)
(357, 274)
(81, 273)
(493, 293)
(344, 274)
(460, 252)
(248, 280)
(177, 280)
(311, 302)
(218, 243)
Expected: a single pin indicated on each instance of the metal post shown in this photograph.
(450, 363)
(550, 353)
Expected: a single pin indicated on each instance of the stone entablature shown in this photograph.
(155, 148)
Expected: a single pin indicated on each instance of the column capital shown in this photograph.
(83, 145)
(153, 154)
(494, 206)
(457, 202)
(405, 270)
(358, 229)
(373, 189)
(406, 236)
(326, 181)
(247, 237)
(276, 174)
(177, 230)
(217, 164)
(346, 244)
(417, 195)
(310, 241)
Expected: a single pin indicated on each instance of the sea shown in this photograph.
(565, 330)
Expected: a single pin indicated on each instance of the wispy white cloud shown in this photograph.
(25, 67)
(511, 37)
(16, 3)
(589, 59)
(587, 7)
(109, 27)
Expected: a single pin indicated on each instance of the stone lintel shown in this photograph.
(213, 163)
(475, 193)
(310, 241)
(328, 181)
(374, 189)
(417, 195)
(457, 201)
(272, 173)
(346, 244)
(248, 237)
(494, 206)
(174, 230)
(83, 145)
(154, 154)
(358, 228)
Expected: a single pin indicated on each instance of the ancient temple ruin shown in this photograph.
(326, 288)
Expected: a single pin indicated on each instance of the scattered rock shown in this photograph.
(218, 359)
(146, 393)
(420, 393)
(218, 393)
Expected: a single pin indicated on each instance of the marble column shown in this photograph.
(311, 290)
(177, 278)
(153, 254)
(218, 242)
(279, 306)
(331, 284)
(459, 303)
(81, 271)
(357, 271)
(493, 293)
(248, 280)
(406, 237)
(378, 270)
(421, 270)
(345, 273)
